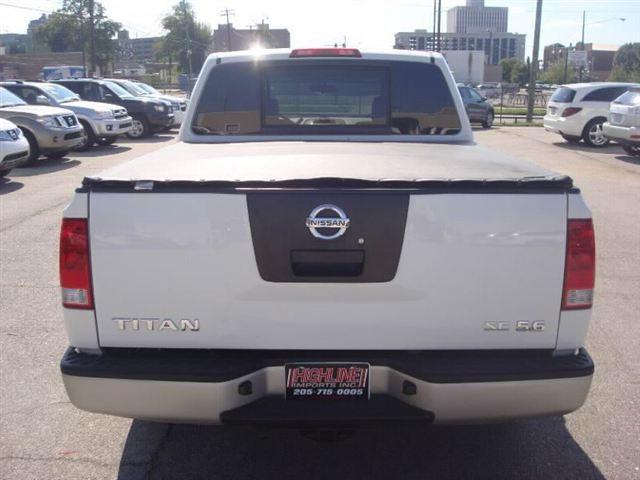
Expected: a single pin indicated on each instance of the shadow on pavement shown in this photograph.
(533, 449)
(101, 151)
(612, 149)
(7, 186)
(629, 159)
(157, 138)
(45, 166)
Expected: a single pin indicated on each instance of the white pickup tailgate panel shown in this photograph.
(467, 259)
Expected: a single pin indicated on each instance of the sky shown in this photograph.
(365, 23)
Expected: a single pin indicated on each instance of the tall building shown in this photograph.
(474, 17)
(245, 39)
(496, 46)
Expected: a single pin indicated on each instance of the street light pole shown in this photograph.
(584, 14)
(534, 64)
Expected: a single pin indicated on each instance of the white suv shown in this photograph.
(624, 121)
(578, 111)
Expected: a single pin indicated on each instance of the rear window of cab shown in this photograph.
(326, 97)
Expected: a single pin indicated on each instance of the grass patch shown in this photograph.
(519, 111)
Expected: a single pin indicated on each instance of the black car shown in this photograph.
(149, 114)
(477, 107)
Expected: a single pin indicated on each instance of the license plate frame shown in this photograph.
(336, 381)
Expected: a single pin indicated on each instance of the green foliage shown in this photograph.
(174, 44)
(554, 74)
(626, 64)
(520, 74)
(67, 30)
(514, 71)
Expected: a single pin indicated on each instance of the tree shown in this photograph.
(507, 65)
(174, 44)
(69, 29)
(626, 64)
(520, 73)
(514, 71)
(554, 74)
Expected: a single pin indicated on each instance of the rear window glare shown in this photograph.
(563, 95)
(326, 97)
(632, 98)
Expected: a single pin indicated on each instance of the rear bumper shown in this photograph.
(621, 134)
(447, 387)
(562, 125)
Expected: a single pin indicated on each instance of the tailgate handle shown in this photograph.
(327, 263)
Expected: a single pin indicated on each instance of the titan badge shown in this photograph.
(157, 324)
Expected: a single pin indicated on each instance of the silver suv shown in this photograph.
(102, 122)
(623, 125)
(50, 131)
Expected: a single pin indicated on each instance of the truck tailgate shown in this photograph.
(468, 268)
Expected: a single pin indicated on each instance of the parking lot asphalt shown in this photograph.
(42, 436)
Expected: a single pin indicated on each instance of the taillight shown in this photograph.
(325, 52)
(75, 265)
(570, 111)
(580, 268)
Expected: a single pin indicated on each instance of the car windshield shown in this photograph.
(563, 95)
(59, 93)
(8, 99)
(118, 90)
(132, 88)
(324, 97)
(632, 98)
(148, 88)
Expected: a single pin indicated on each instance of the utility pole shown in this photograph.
(439, 18)
(92, 38)
(490, 47)
(187, 37)
(226, 13)
(433, 36)
(584, 16)
(534, 63)
(566, 63)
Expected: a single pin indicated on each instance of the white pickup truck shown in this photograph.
(327, 245)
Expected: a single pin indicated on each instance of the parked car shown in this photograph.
(623, 125)
(578, 111)
(102, 122)
(14, 147)
(327, 229)
(140, 89)
(478, 109)
(50, 131)
(148, 115)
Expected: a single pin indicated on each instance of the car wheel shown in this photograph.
(57, 155)
(571, 138)
(488, 120)
(34, 149)
(4, 173)
(140, 128)
(633, 150)
(106, 141)
(88, 137)
(593, 135)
